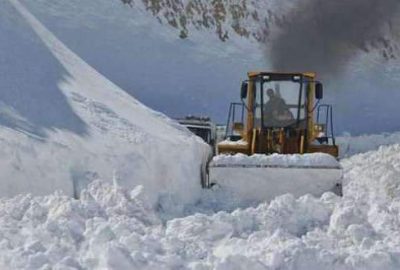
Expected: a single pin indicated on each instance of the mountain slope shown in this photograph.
(201, 74)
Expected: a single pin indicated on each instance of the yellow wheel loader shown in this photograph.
(279, 139)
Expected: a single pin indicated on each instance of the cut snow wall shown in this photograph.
(114, 137)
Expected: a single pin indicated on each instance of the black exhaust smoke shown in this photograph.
(323, 35)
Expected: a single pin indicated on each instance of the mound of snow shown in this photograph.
(60, 232)
(62, 124)
(111, 227)
(351, 145)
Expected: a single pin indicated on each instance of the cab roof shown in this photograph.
(283, 74)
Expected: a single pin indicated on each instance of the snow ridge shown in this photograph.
(112, 227)
(124, 140)
(226, 19)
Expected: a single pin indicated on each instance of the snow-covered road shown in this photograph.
(115, 228)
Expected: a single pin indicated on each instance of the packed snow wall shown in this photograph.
(114, 228)
(63, 124)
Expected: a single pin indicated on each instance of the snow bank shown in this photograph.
(351, 145)
(92, 233)
(109, 135)
(111, 227)
(63, 124)
(357, 231)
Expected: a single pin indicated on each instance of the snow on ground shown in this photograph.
(117, 226)
(351, 145)
(63, 125)
(110, 227)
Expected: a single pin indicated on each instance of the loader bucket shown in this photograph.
(262, 177)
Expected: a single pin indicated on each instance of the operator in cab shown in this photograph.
(276, 111)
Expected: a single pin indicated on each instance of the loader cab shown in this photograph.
(280, 101)
(280, 116)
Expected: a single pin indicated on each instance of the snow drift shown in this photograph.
(115, 228)
(350, 145)
(63, 124)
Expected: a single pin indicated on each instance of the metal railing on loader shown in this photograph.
(325, 119)
(235, 115)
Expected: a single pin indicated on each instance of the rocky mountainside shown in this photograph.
(250, 19)
(253, 19)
